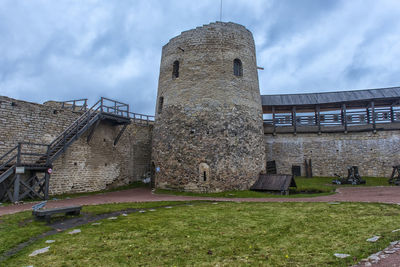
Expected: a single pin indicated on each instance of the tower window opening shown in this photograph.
(237, 68)
(204, 172)
(160, 104)
(175, 69)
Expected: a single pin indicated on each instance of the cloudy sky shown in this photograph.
(69, 49)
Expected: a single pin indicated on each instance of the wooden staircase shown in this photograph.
(25, 169)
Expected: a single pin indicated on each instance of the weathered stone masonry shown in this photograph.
(23, 121)
(374, 154)
(208, 134)
(100, 164)
(84, 167)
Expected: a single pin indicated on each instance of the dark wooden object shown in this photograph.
(353, 177)
(271, 167)
(395, 177)
(296, 170)
(308, 167)
(45, 215)
(274, 183)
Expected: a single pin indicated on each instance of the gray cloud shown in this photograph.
(76, 49)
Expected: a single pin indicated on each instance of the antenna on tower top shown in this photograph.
(220, 12)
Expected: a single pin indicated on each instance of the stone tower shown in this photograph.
(208, 134)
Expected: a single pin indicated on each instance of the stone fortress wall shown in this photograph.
(208, 134)
(83, 167)
(374, 154)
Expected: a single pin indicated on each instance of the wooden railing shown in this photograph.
(371, 116)
(25, 153)
(75, 105)
(141, 118)
(44, 154)
(114, 107)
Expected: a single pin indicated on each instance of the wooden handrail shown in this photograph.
(65, 137)
(8, 161)
(83, 116)
(9, 152)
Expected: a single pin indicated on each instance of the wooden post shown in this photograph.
(315, 116)
(318, 118)
(17, 176)
(294, 119)
(120, 134)
(46, 185)
(273, 120)
(19, 154)
(373, 115)
(64, 141)
(368, 118)
(90, 135)
(391, 113)
(16, 188)
(344, 117)
(48, 155)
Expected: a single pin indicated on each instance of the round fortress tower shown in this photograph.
(208, 133)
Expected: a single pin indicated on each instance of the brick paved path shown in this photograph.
(382, 194)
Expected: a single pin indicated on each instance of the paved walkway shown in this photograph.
(384, 194)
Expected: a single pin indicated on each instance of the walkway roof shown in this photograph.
(331, 99)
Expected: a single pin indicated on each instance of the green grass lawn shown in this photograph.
(242, 194)
(226, 234)
(20, 227)
(306, 187)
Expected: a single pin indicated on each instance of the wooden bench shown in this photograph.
(45, 215)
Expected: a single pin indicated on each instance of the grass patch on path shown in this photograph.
(306, 187)
(325, 183)
(226, 234)
(241, 194)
